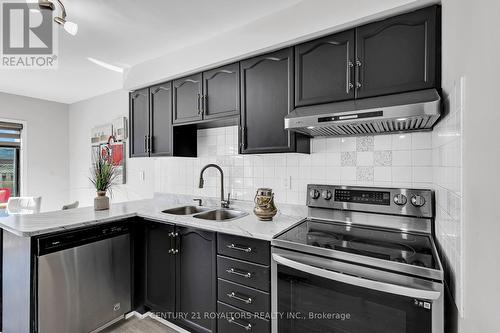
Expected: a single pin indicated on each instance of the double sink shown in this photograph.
(206, 213)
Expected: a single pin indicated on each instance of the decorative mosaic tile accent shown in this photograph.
(382, 158)
(364, 174)
(348, 158)
(364, 143)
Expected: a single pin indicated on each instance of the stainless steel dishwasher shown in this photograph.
(83, 279)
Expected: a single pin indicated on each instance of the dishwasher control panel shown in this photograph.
(64, 240)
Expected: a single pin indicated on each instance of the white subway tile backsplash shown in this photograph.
(382, 174)
(401, 158)
(366, 160)
(401, 141)
(422, 157)
(382, 142)
(401, 174)
(348, 144)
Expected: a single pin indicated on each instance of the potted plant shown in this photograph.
(103, 174)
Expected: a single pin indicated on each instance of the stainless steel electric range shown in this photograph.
(364, 261)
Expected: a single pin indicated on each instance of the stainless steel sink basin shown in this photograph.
(185, 210)
(221, 215)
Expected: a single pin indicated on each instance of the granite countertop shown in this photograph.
(248, 226)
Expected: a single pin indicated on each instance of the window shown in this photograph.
(10, 144)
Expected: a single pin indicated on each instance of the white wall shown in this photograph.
(45, 171)
(83, 116)
(471, 48)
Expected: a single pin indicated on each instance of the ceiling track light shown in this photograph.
(70, 27)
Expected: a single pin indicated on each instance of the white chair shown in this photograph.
(71, 205)
(24, 205)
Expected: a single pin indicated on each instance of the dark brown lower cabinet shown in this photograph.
(160, 268)
(197, 279)
(181, 281)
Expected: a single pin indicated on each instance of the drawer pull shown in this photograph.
(233, 295)
(247, 327)
(244, 274)
(238, 248)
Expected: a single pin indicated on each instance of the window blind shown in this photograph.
(10, 134)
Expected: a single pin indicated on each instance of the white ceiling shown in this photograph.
(160, 39)
(125, 33)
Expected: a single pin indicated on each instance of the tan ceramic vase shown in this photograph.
(264, 204)
(101, 202)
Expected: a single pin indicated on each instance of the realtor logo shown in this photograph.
(29, 36)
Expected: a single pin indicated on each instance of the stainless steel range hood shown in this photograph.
(418, 110)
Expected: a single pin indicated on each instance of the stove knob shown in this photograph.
(417, 200)
(400, 199)
(327, 195)
(314, 194)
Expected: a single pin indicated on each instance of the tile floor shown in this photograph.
(136, 325)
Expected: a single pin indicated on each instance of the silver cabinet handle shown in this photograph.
(246, 275)
(233, 295)
(238, 248)
(204, 104)
(173, 234)
(350, 67)
(358, 281)
(173, 251)
(145, 143)
(199, 104)
(247, 327)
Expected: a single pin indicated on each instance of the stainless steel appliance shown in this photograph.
(363, 261)
(83, 279)
(417, 110)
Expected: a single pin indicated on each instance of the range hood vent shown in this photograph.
(405, 112)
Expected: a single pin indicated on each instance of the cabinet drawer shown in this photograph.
(248, 274)
(244, 248)
(248, 299)
(234, 320)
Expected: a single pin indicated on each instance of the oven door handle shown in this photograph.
(358, 281)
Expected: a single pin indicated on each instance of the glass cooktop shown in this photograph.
(383, 244)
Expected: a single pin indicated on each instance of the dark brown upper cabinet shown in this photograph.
(221, 96)
(398, 54)
(187, 99)
(324, 69)
(160, 97)
(139, 123)
(266, 98)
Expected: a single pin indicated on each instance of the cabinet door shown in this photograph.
(398, 54)
(324, 69)
(187, 99)
(161, 119)
(266, 98)
(221, 92)
(197, 278)
(160, 267)
(139, 122)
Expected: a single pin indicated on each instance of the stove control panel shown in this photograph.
(397, 201)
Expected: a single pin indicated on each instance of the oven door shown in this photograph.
(315, 294)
